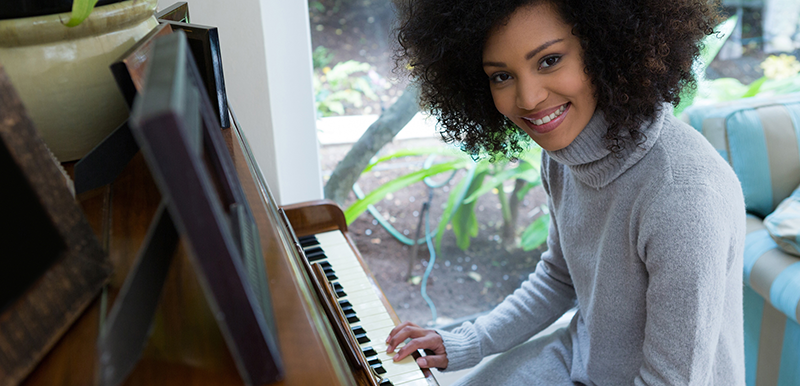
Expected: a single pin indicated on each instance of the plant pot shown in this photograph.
(62, 74)
(15, 9)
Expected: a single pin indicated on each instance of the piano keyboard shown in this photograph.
(369, 319)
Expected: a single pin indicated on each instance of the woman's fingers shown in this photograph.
(420, 339)
(400, 333)
(431, 361)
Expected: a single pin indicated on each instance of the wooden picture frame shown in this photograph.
(174, 124)
(129, 68)
(52, 265)
(175, 12)
(205, 47)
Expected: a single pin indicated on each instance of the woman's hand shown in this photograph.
(420, 339)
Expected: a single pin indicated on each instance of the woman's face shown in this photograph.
(536, 76)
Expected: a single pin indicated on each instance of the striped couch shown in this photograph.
(759, 138)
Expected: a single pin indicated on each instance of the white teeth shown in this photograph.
(549, 117)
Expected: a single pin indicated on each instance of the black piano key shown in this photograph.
(347, 309)
(373, 360)
(362, 338)
(325, 265)
(385, 382)
(331, 276)
(358, 330)
(315, 256)
(345, 303)
(339, 290)
(312, 251)
(352, 318)
(378, 368)
(369, 351)
(307, 240)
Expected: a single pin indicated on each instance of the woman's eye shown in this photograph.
(499, 78)
(549, 61)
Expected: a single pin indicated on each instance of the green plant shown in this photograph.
(781, 76)
(80, 11)
(342, 84)
(321, 57)
(481, 178)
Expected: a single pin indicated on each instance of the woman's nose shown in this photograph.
(530, 92)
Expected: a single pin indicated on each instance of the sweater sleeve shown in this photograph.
(541, 299)
(689, 241)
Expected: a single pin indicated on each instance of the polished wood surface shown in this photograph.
(186, 346)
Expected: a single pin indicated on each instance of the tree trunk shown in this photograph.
(379, 133)
(510, 226)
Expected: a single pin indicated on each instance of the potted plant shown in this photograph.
(59, 63)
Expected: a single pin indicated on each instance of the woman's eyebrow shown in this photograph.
(528, 56)
(536, 50)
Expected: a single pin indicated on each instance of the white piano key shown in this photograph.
(413, 382)
(373, 316)
(331, 238)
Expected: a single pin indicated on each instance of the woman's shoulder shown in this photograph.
(689, 158)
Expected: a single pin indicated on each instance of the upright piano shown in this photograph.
(320, 289)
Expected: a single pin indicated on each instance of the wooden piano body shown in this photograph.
(186, 346)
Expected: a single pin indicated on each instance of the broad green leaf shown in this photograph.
(722, 89)
(453, 202)
(525, 189)
(81, 9)
(754, 87)
(457, 197)
(465, 223)
(416, 152)
(535, 234)
(360, 206)
(523, 171)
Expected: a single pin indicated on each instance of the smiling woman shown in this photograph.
(646, 230)
(535, 69)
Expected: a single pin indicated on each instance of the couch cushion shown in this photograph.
(759, 138)
(771, 272)
(784, 224)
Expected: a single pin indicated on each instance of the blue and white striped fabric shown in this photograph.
(759, 137)
(784, 224)
(771, 310)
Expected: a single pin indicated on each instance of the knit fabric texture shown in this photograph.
(648, 245)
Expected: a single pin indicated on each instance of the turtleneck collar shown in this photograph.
(592, 163)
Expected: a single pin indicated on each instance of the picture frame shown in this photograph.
(205, 47)
(175, 126)
(176, 12)
(129, 68)
(53, 265)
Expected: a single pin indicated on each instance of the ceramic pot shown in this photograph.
(62, 74)
(13, 9)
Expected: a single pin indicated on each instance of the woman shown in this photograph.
(647, 221)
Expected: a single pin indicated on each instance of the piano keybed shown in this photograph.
(370, 321)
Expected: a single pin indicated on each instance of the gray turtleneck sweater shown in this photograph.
(648, 245)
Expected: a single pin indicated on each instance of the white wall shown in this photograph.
(266, 56)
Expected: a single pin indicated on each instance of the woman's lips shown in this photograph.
(549, 126)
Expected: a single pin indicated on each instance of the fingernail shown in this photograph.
(422, 362)
(396, 357)
(387, 338)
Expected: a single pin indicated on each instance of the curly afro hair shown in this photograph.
(638, 54)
